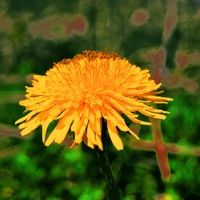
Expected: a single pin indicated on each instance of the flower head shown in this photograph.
(81, 92)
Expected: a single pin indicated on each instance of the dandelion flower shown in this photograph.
(79, 93)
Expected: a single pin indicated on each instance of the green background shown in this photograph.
(160, 35)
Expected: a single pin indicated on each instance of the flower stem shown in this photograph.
(113, 191)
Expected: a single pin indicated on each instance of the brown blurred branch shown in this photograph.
(162, 149)
(9, 151)
(8, 131)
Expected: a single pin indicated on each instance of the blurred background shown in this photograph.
(161, 35)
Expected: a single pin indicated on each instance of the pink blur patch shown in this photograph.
(182, 59)
(140, 17)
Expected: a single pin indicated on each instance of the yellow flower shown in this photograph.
(80, 92)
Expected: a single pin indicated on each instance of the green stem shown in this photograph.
(113, 191)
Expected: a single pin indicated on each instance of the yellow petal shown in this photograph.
(99, 142)
(54, 134)
(51, 115)
(61, 129)
(26, 117)
(76, 122)
(91, 116)
(97, 114)
(116, 104)
(30, 126)
(116, 118)
(63, 132)
(155, 110)
(122, 102)
(134, 134)
(133, 118)
(51, 137)
(114, 136)
(98, 126)
(153, 115)
(158, 98)
(87, 142)
(81, 130)
(45, 125)
(86, 111)
(91, 134)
